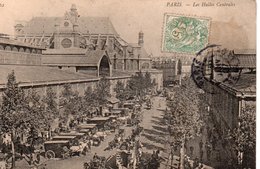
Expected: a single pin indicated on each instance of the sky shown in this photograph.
(233, 27)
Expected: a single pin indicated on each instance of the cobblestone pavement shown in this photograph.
(155, 135)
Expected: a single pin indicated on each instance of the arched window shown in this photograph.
(21, 49)
(145, 66)
(8, 48)
(27, 50)
(115, 60)
(33, 51)
(104, 67)
(15, 49)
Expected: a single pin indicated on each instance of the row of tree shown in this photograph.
(136, 87)
(26, 112)
(185, 120)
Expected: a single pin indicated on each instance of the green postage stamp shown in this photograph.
(184, 34)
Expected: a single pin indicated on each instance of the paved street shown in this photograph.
(77, 162)
(154, 137)
(154, 134)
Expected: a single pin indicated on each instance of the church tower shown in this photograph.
(141, 38)
(67, 35)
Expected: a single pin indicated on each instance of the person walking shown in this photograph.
(208, 150)
(201, 155)
(191, 150)
(201, 144)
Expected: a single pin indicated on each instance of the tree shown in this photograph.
(12, 110)
(138, 84)
(244, 137)
(148, 84)
(20, 113)
(185, 121)
(89, 97)
(36, 119)
(102, 91)
(50, 101)
(72, 103)
(120, 91)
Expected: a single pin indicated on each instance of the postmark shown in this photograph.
(185, 34)
(217, 64)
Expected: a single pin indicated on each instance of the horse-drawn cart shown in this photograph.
(56, 149)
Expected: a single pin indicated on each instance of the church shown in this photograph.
(73, 42)
(76, 50)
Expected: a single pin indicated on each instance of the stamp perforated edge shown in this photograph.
(186, 15)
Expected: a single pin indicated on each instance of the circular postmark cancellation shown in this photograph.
(217, 64)
(185, 34)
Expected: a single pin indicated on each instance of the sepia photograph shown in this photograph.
(128, 84)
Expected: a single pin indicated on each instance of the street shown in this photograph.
(154, 137)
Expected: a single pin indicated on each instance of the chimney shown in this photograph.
(141, 38)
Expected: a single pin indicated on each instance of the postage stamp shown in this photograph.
(185, 34)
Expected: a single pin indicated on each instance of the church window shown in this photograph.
(66, 24)
(66, 43)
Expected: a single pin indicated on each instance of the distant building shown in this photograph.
(74, 36)
(227, 98)
(52, 51)
(173, 67)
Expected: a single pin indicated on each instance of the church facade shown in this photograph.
(73, 37)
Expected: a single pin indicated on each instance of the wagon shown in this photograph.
(56, 148)
(78, 135)
(76, 146)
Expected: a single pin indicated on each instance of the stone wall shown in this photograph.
(19, 58)
(225, 106)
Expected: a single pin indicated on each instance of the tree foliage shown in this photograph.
(185, 121)
(121, 92)
(21, 113)
(102, 91)
(139, 85)
(12, 105)
(73, 105)
(243, 137)
(50, 101)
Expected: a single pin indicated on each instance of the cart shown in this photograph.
(56, 148)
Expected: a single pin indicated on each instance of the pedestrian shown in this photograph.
(191, 150)
(208, 149)
(95, 157)
(89, 144)
(196, 162)
(214, 143)
(201, 144)
(201, 155)
(201, 129)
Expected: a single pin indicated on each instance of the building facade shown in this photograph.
(76, 32)
(231, 88)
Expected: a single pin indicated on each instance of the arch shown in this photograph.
(104, 66)
(27, 50)
(21, 49)
(33, 51)
(8, 48)
(145, 66)
(39, 51)
(2, 47)
(15, 49)
(115, 62)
